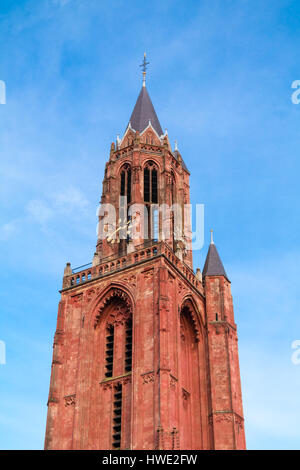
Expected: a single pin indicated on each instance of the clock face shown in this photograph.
(125, 226)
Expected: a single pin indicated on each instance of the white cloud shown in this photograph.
(40, 211)
(7, 230)
(69, 200)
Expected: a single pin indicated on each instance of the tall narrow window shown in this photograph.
(155, 218)
(154, 185)
(123, 175)
(128, 185)
(173, 187)
(151, 197)
(150, 183)
(128, 346)
(125, 189)
(109, 352)
(117, 417)
(146, 185)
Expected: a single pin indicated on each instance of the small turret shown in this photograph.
(96, 259)
(213, 265)
(68, 270)
(198, 274)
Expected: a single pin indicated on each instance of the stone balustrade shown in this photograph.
(116, 263)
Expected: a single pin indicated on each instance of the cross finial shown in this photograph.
(211, 237)
(144, 65)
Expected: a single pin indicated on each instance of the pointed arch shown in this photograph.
(151, 182)
(189, 305)
(113, 293)
(192, 366)
(112, 352)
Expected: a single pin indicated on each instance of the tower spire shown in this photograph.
(211, 237)
(144, 66)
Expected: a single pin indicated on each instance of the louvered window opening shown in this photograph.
(109, 352)
(128, 346)
(117, 418)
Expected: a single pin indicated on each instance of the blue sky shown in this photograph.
(220, 79)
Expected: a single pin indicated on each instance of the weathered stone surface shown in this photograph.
(183, 389)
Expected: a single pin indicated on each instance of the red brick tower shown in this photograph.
(145, 352)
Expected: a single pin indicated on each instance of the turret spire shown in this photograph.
(213, 265)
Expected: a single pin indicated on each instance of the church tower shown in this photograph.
(145, 352)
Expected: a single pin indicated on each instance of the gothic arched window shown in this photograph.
(125, 191)
(118, 347)
(125, 188)
(151, 198)
(150, 183)
(173, 201)
(114, 349)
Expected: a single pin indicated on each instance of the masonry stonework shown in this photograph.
(145, 352)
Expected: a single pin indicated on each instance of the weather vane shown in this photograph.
(144, 65)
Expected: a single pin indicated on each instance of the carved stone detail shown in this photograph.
(122, 313)
(126, 381)
(115, 382)
(119, 316)
(136, 174)
(187, 304)
(148, 377)
(90, 294)
(70, 400)
(106, 385)
(131, 280)
(76, 299)
(148, 274)
(223, 418)
(221, 325)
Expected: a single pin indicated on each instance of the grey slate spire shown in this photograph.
(213, 265)
(144, 112)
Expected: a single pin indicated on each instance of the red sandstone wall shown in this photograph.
(81, 416)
